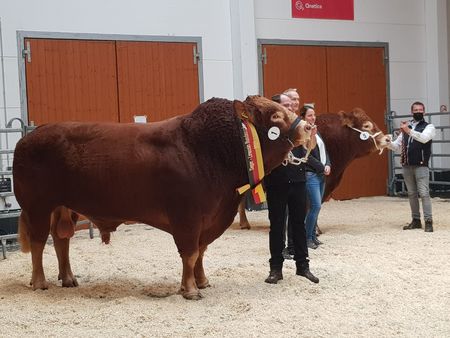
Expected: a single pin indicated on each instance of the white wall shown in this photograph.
(207, 19)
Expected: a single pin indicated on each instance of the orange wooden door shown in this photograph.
(357, 78)
(71, 80)
(156, 79)
(300, 67)
(336, 78)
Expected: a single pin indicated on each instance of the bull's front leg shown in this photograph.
(189, 288)
(200, 277)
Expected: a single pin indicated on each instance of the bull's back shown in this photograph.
(56, 161)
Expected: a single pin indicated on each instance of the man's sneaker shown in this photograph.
(415, 224)
(315, 240)
(429, 225)
(311, 244)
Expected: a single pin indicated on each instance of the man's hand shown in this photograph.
(404, 126)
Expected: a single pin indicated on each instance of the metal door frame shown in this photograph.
(22, 35)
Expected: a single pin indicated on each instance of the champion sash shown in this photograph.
(254, 161)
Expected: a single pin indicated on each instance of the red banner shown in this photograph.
(323, 9)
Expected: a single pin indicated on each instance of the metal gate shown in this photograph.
(9, 211)
(439, 174)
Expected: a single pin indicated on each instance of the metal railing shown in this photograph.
(439, 175)
(7, 213)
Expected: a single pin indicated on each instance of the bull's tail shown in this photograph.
(24, 237)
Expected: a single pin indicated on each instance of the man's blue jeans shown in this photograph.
(315, 185)
(417, 180)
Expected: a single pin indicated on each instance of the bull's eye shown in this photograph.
(367, 126)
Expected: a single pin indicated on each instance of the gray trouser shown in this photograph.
(417, 180)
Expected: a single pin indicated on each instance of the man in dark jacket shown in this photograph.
(285, 187)
(414, 142)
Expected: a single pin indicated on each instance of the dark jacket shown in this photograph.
(314, 163)
(418, 153)
(287, 174)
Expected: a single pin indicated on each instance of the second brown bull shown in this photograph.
(347, 136)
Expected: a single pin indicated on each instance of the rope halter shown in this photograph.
(291, 158)
(364, 135)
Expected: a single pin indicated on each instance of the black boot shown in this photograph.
(303, 270)
(274, 276)
(429, 225)
(415, 224)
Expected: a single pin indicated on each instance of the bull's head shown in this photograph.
(266, 114)
(361, 123)
(278, 128)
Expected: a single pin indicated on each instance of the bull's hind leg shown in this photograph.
(243, 221)
(200, 277)
(62, 229)
(38, 226)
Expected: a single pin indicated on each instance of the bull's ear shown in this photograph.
(346, 118)
(239, 109)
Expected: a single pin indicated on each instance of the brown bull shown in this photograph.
(178, 175)
(342, 136)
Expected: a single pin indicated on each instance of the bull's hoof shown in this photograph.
(69, 283)
(203, 284)
(39, 285)
(245, 226)
(191, 295)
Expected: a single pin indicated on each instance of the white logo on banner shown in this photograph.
(301, 7)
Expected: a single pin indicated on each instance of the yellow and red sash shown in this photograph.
(254, 161)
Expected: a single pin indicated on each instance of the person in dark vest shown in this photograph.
(286, 193)
(414, 142)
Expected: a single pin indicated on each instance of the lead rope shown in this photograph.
(364, 135)
(292, 159)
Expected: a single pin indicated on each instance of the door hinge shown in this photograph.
(196, 55)
(385, 59)
(26, 53)
(263, 56)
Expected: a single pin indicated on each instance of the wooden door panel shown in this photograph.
(301, 67)
(336, 78)
(357, 78)
(156, 79)
(71, 80)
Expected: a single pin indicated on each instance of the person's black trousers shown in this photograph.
(292, 196)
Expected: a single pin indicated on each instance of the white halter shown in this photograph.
(364, 135)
